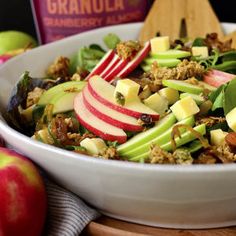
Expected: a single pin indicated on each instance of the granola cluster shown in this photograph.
(184, 70)
(160, 156)
(128, 49)
(60, 68)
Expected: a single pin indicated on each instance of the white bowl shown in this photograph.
(200, 196)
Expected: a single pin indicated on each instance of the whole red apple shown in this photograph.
(22, 196)
(4, 58)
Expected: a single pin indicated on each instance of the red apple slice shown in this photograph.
(96, 125)
(109, 115)
(103, 91)
(216, 78)
(100, 67)
(135, 61)
(115, 60)
(113, 73)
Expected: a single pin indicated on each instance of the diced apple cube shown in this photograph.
(128, 88)
(184, 108)
(172, 95)
(231, 119)
(157, 103)
(217, 136)
(160, 44)
(94, 146)
(200, 51)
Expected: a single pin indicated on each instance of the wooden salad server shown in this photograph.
(173, 17)
(233, 37)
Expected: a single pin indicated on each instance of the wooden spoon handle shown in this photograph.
(166, 16)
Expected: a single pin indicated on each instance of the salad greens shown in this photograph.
(111, 40)
(88, 57)
(224, 97)
(123, 83)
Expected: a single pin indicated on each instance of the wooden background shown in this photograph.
(106, 226)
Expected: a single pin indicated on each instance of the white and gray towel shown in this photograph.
(68, 215)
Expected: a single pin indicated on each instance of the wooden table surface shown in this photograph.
(106, 226)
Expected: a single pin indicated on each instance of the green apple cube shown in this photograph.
(158, 140)
(171, 54)
(141, 138)
(172, 95)
(200, 51)
(157, 103)
(197, 98)
(128, 88)
(182, 86)
(48, 95)
(162, 62)
(231, 119)
(185, 138)
(184, 108)
(44, 136)
(160, 44)
(94, 146)
(217, 136)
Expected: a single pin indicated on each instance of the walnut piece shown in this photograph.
(33, 96)
(60, 68)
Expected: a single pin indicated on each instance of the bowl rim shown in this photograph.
(198, 168)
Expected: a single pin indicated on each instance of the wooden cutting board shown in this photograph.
(167, 17)
(106, 226)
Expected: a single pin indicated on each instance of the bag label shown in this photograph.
(57, 19)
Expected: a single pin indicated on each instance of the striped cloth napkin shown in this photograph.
(67, 214)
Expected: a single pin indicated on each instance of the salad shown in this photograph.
(162, 102)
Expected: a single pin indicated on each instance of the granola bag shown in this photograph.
(56, 19)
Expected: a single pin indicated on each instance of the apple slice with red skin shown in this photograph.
(113, 73)
(111, 65)
(115, 60)
(103, 91)
(96, 125)
(101, 66)
(135, 61)
(216, 77)
(109, 115)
